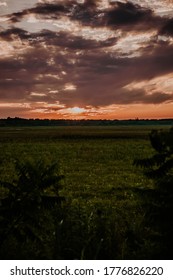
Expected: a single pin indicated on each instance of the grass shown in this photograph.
(103, 216)
(43, 134)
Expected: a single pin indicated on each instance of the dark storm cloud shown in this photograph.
(107, 94)
(86, 12)
(8, 34)
(157, 57)
(64, 39)
(93, 72)
(110, 93)
(131, 17)
(44, 10)
(167, 29)
(76, 42)
(119, 15)
(18, 76)
(16, 17)
(158, 98)
(101, 78)
(15, 83)
(155, 61)
(56, 38)
(34, 71)
(35, 61)
(107, 77)
(127, 13)
(141, 96)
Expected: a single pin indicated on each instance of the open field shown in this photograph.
(49, 133)
(104, 216)
(92, 158)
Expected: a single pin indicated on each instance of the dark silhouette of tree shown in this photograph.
(159, 200)
(27, 212)
(161, 163)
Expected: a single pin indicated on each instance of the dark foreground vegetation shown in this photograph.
(158, 201)
(86, 193)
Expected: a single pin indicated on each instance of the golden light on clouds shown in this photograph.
(38, 94)
(77, 110)
(69, 87)
(160, 7)
(163, 83)
(131, 45)
(14, 105)
(3, 4)
(86, 59)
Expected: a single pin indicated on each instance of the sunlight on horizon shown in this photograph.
(77, 110)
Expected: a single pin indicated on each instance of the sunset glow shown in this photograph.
(77, 110)
(86, 59)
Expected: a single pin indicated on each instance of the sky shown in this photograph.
(86, 59)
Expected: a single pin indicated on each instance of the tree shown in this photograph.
(28, 210)
(158, 201)
(161, 163)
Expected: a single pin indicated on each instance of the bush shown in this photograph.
(30, 211)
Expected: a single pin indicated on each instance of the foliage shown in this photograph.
(158, 201)
(161, 163)
(26, 206)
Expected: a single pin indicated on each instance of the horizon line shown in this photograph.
(47, 119)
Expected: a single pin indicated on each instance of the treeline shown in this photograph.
(61, 122)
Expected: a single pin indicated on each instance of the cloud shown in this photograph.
(142, 97)
(88, 13)
(8, 34)
(45, 10)
(126, 13)
(3, 4)
(62, 39)
(91, 55)
(94, 78)
(167, 29)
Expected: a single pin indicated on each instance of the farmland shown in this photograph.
(102, 216)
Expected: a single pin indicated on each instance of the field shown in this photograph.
(103, 215)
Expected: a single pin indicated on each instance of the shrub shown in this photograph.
(28, 210)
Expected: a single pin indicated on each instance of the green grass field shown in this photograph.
(103, 213)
